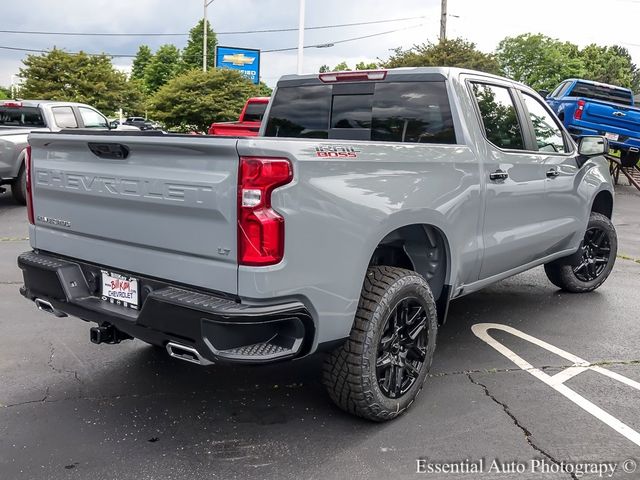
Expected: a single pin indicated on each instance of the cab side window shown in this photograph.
(64, 117)
(93, 119)
(549, 136)
(499, 116)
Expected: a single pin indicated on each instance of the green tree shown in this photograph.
(455, 52)
(192, 53)
(341, 67)
(366, 66)
(344, 66)
(195, 99)
(539, 61)
(4, 93)
(91, 79)
(140, 63)
(162, 67)
(609, 65)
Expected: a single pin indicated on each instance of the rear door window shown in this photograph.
(416, 112)
(64, 117)
(499, 116)
(566, 86)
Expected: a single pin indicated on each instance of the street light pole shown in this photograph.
(204, 35)
(301, 37)
(13, 89)
(443, 21)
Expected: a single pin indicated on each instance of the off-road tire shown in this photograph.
(19, 187)
(561, 272)
(349, 372)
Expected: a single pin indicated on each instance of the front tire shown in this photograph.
(591, 265)
(381, 368)
(19, 187)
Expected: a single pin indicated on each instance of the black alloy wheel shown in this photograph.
(589, 267)
(402, 348)
(595, 253)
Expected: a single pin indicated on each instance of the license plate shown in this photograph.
(120, 290)
(611, 136)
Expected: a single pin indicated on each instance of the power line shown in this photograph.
(34, 50)
(335, 42)
(239, 32)
(318, 45)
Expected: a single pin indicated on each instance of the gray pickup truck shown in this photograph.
(369, 201)
(20, 117)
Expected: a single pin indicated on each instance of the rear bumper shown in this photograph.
(220, 328)
(627, 139)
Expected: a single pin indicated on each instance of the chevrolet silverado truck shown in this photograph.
(20, 117)
(592, 108)
(369, 202)
(248, 125)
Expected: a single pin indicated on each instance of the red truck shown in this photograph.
(247, 125)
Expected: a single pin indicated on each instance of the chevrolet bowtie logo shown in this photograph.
(238, 59)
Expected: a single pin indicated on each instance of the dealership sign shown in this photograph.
(245, 60)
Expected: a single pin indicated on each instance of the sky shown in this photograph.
(484, 22)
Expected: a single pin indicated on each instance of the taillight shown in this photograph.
(11, 104)
(260, 228)
(27, 172)
(579, 109)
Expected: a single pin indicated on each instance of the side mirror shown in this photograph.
(593, 145)
(543, 93)
(113, 125)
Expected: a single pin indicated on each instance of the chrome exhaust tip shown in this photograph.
(188, 354)
(47, 307)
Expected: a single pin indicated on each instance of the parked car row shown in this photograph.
(18, 118)
(138, 123)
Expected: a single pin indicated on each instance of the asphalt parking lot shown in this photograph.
(71, 409)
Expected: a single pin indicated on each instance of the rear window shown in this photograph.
(254, 112)
(415, 112)
(601, 92)
(21, 117)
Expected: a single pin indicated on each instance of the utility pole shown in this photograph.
(443, 21)
(204, 36)
(301, 37)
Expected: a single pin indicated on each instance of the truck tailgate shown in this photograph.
(618, 116)
(167, 210)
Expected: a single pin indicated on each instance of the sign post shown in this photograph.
(245, 60)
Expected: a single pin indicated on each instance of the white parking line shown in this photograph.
(557, 381)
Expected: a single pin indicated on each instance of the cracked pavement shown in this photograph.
(71, 409)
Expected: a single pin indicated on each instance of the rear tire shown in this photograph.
(629, 159)
(19, 187)
(590, 266)
(381, 368)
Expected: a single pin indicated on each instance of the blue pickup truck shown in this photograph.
(593, 108)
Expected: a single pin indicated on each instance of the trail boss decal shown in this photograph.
(336, 151)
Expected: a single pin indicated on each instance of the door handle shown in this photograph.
(498, 175)
(113, 151)
(553, 173)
